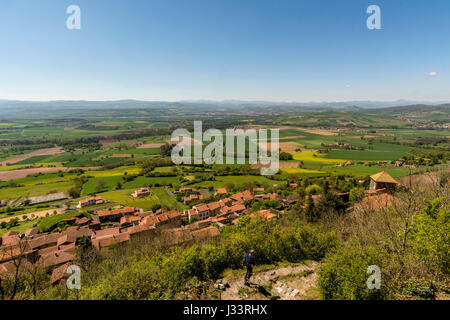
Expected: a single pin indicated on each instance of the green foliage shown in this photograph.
(312, 212)
(48, 223)
(284, 156)
(431, 236)
(356, 194)
(422, 288)
(165, 273)
(343, 274)
(331, 201)
(313, 189)
(12, 223)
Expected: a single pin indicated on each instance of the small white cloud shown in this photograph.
(347, 86)
(432, 73)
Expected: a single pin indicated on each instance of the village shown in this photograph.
(55, 251)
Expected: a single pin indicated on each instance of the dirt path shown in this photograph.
(284, 283)
(23, 173)
(321, 132)
(150, 145)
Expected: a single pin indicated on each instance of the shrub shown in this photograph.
(356, 194)
(420, 288)
(313, 189)
(343, 274)
(431, 236)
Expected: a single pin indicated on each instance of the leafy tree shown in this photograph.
(74, 192)
(285, 156)
(356, 194)
(156, 207)
(100, 185)
(86, 255)
(229, 186)
(313, 189)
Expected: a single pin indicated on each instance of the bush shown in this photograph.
(431, 236)
(156, 207)
(284, 156)
(356, 194)
(420, 288)
(313, 189)
(343, 274)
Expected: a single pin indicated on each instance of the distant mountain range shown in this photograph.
(230, 104)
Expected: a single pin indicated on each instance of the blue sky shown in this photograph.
(285, 50)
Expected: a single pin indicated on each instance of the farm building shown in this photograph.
(382, 180)
(201, 212)
(221, 191)
(92, 201)
(115, 215)
(185, 190)
(266, 214)
(127, 221)
(398, 163)
(172, 217)
(142, 192)
(191, 198)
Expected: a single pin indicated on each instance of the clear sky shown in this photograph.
(279, 50)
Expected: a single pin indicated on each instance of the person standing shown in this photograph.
(249, 262)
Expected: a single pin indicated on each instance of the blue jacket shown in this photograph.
(249, 260)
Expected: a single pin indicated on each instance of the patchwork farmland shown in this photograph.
(115, 178)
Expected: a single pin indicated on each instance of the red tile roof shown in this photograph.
(129, 219)
(117, 212)
(44, 240)
(201, 207)
(377, 201)
(107, 241)
(91, 199)
(247, 195)
(55, 258)
(264, 213)
(221, 191)
(139, 229)
(105, 233)
(214, 206)
(31, 232)
(59, 274)
(238, 208)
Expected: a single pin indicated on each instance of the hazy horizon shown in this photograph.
(401, 100)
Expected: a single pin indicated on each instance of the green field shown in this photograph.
(362, 171)
(311, 156)
(371, 132)
(157, 196)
